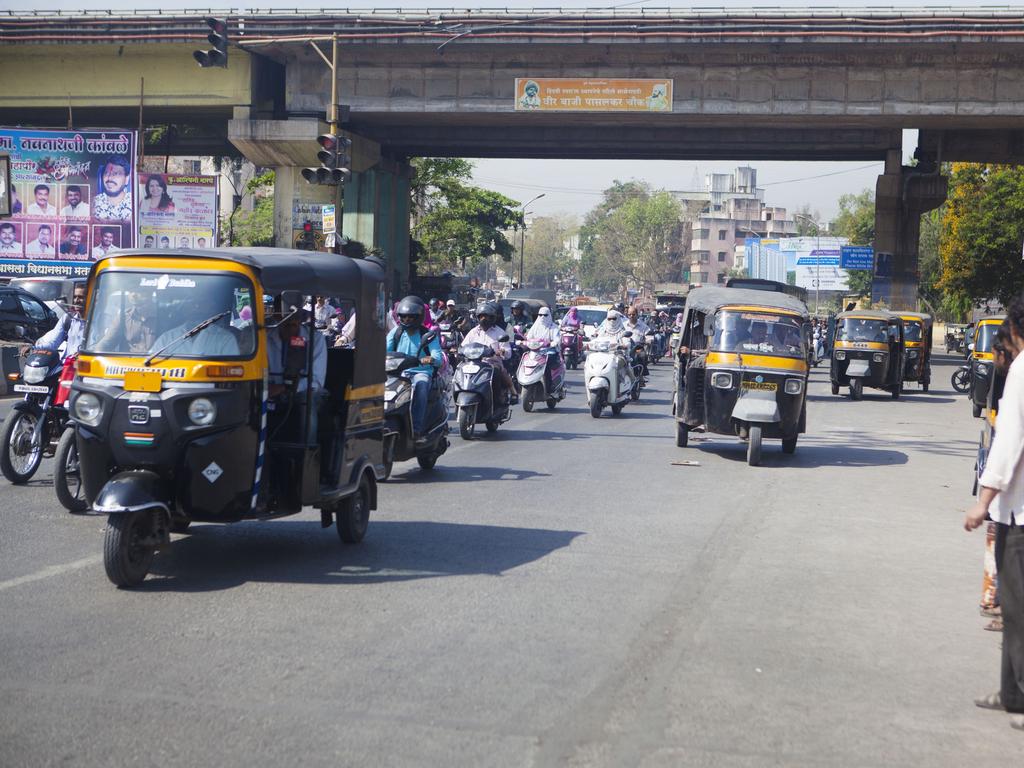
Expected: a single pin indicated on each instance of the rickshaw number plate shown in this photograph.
(31, 389)
(142, 381)
(764, 386)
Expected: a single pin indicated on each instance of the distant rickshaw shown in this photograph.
(868, 352)
(194, 402)
(743, 367)
(917, 332)
(982, 361)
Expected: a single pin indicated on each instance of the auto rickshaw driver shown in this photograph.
(289, 386)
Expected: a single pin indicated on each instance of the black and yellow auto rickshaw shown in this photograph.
(743, 367)
(868, 352)
(194, 401)
(917, 337)
(982, 361)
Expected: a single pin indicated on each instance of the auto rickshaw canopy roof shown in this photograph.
(708, 300)
(286, 269)
(921, 317)
(869, 314)
(991, 320)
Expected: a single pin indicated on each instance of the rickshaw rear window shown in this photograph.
(911, 330)
(756, 333)
(862, 329)
(138, 313)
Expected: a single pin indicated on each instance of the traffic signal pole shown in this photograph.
(332, 119)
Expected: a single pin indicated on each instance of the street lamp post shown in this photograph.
(522, 237)
(817, 257)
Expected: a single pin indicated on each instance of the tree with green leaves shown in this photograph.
(982, 231)
(547, 253)
(856, 222)
(456, 225)
(255, 227)
(632, 238)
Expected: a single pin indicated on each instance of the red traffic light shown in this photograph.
(219, 26)
(307, 227)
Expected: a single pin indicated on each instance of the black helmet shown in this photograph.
(410, 305)
(487, 308)
(619, 306)
(518, 305)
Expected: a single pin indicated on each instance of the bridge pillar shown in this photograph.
(902, 194)
(376, 213)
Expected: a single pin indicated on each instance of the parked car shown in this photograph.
(51, 290)
(23, 317)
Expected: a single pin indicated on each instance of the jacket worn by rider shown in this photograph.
(410, 342)
(490, 338)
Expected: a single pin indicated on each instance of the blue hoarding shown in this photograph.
(857, 257)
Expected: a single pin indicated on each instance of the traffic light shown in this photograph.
(334, 160)
(218, 38)
(307, 240)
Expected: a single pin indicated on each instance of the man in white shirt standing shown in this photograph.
(1001, 497)
(41, 206)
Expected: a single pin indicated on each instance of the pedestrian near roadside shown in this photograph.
(1001, 497)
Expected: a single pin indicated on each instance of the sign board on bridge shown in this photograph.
(857, 257)
(547, 94)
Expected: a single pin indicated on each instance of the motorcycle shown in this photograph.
(609, 377)
(400, 444)
(475, 391)
(35, 425)
(541, 374)
(450, 340)
(572, 348)
(961, 379)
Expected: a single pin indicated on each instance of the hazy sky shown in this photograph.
(574, 186)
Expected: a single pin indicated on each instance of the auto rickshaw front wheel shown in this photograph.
(754, 446)
(789, 444)
(353, 514)
(682, 434)
(856, 389)
(129, 545)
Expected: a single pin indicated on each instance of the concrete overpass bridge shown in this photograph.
(768, 84)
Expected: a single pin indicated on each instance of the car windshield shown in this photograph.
(140, 313)
(46, 290)
(861, 329)
(986, 333)
(591, 316)
(911, 330)
(758, 333)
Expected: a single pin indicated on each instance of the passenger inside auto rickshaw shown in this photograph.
(288, 337)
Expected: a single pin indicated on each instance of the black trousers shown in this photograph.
(1010, 567)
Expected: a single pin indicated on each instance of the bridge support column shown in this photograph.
(902, 194)
(376, 213)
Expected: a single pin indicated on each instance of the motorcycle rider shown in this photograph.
(435, 310)
(518, 316)
(454, 317)
(70, 328)
(486, 332)
(407, 338)
(639, 328)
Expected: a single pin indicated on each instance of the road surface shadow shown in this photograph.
(806, 456)
(216, 557)
(910, 397)
(455, 474)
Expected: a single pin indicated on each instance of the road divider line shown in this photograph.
(53, 570)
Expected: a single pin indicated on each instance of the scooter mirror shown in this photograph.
(503, 339)
(429, 336)
(628, 334)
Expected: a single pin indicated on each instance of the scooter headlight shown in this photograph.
(721, 380)
(878, 357)
(389, 395)
(88, 409)
(34, 374)
(840, 355)
(202, 412)
(794, 386)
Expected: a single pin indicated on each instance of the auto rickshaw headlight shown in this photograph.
(912, 353)
(878, 357)
(794, 386)
(88, 409)
(840, 355)
(721, 380)
(202, 412)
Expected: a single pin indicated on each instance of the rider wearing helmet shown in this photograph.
(519, 316)
(436, 308)
(407, 338)
(486, 332)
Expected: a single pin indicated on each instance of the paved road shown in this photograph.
(561, 594)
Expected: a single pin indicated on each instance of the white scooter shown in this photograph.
(608, 375)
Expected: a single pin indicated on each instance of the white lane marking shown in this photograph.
(53, 570)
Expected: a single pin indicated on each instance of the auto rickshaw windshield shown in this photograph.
(911, 330)
(758, 333)
(986, 334)
(862, 329)
(139, 313)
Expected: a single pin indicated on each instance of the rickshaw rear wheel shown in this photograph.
(789, 444)
(976, 411)
(754, 446)
(127, 547)
(682, 434)
(353, 514)
(427, 460)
